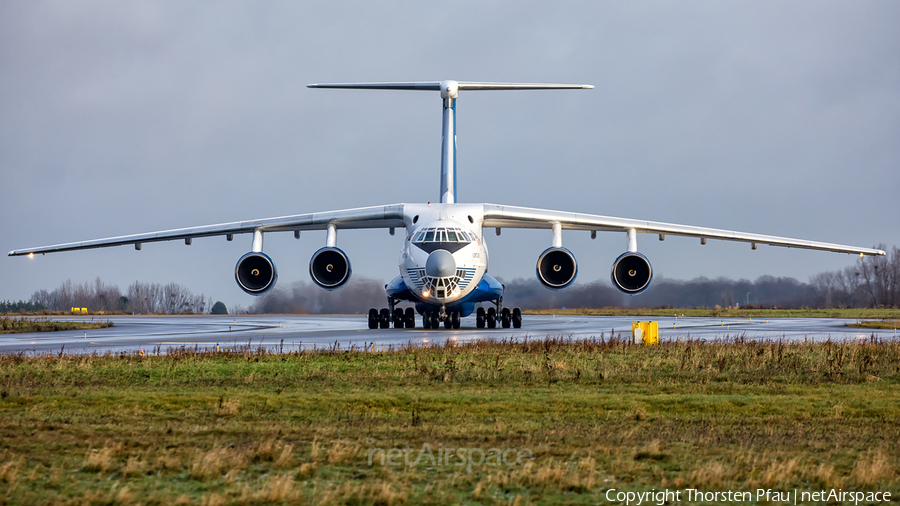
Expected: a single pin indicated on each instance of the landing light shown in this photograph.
(425, 293)
(31, 255)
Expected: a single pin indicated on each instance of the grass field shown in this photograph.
(876, 324)
(20, 325)
(251, 427)
(860, 313)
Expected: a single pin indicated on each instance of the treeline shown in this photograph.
(304, 297)
(98, 296)
(766, 291)
(20, 306)
(872, 282)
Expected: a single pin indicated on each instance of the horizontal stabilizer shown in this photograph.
(462, 85)
(421, 86)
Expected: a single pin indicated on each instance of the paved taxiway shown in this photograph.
(159, 333)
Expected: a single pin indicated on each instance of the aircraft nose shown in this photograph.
(440, 264)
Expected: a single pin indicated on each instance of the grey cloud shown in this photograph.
(115, 118)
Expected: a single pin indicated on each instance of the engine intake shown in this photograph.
(557, 268)
(329, 268)
(631, 272)
(255, 273)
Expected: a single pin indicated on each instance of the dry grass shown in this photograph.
(213, 463)
(342, 452)
(872, 468)
(274, 489)
(780, 473)
(99, 460)
(9, 470)
(353, 492)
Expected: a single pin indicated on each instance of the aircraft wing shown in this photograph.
(363, 217)
(523, 217)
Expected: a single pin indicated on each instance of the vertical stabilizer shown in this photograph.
(449, 92)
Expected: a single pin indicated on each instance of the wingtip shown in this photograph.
(588, 87)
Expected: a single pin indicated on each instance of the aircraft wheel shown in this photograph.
(435, 320)
(517, 318)
(505, 317)
(479, 318)
(398, 318)
(454, 319)
(373, 318)
(491, 318)
(448, 322)
(410, 318)
(426, 319)
(385, 318)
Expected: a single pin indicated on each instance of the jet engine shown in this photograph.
(255, 273)
(631, 272)
(557, 268)
(329, 268)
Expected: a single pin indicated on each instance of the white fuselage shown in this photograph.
(444, 255)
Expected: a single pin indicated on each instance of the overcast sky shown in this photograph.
(779, 118)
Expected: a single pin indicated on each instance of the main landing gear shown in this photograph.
(507, 318)
(400, 318)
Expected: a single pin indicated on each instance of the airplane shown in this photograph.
(444, 260)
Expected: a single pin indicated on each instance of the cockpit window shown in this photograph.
(441, 235)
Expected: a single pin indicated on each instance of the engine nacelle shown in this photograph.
(255, 273)
(329, 268)
(557, 268)
(632, 273)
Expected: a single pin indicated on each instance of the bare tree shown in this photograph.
(140, 298)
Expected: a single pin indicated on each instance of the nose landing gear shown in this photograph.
(433, 319)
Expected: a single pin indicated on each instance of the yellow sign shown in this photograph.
(645, 333)
(79, 310)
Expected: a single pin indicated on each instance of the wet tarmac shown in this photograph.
(157, 334)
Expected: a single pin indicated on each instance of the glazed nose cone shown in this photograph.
(440, 264)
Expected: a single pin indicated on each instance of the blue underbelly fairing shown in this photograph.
(488, 289)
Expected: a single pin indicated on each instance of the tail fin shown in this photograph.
(449, 93)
